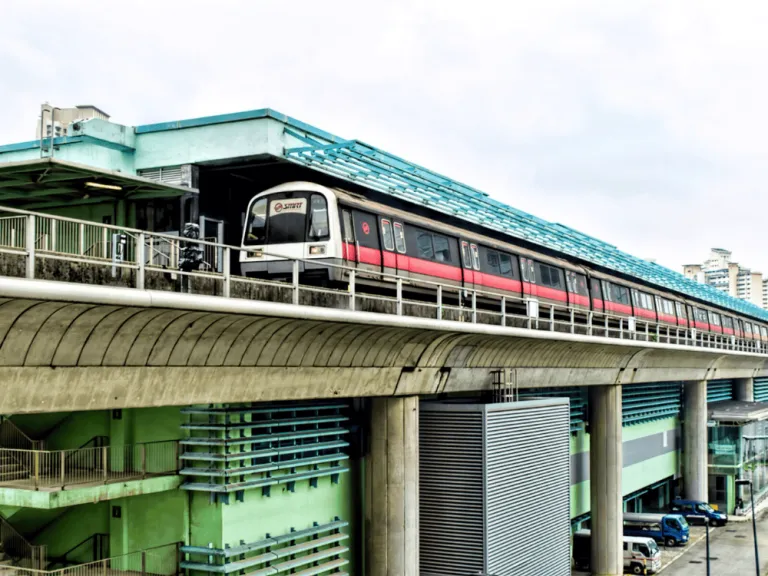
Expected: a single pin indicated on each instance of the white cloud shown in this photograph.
(641, 123)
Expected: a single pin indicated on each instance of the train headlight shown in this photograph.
(256, 254)
(315, 250)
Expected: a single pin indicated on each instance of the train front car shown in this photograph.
(294, 221)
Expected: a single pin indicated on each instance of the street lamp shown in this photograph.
(745, 482)
(706, 524)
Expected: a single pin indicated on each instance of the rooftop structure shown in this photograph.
(358, 164)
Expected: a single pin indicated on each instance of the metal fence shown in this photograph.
(159, 561)
(60, 468)
(39, 238)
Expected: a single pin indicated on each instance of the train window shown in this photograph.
(366, 225)
(568, 281)
(319, 228)
(475, 257)
(701, 315)
(524, 268)
(727, 322)
(505, 265)
(668, 306)
(532, 271)
(714, 318)
(747, 328)
(764, 331)
(257, 225)
(579, 284)
(550, 276)
(493, 262)
(466, 256)
(544, 275)
(597, 294)
(442, 248)
(349, 230)
(399, 238)
(424, 245)
(620, 294)
(386, 234)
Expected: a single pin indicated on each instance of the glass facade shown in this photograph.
(737, 452)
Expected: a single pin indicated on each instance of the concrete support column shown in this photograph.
(605, 462)
(744, 389)
(392, 488)
(695, 474)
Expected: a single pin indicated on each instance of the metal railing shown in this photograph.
(159, 561)
(22, 552)
(38, 238)
(53, 469)
(11, 436)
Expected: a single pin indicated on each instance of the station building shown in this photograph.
(195, 486)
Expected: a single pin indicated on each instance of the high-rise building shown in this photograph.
(55, 121)
(722, 273)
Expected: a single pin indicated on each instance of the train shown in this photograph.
(332, 231)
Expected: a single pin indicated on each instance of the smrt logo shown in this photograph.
(278, 207)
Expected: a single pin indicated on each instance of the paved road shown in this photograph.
(732, 552)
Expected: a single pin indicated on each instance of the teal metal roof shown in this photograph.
(365, 165)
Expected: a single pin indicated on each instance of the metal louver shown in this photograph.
(719, 390)
(184, 175)
(761, 389)
(483, 469)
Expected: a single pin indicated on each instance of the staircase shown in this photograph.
(6, 564)
(10, 468)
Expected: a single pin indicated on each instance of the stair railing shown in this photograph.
(22, 552)
(11, 436)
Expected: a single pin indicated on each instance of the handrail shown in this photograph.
(158, 560)
(11, 436)
(447, 301)
(99, 542)
(19, 548)
(59, 468)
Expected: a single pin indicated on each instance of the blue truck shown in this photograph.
(667, 529)
(698, 508)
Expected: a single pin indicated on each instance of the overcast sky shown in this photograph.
(642, 123)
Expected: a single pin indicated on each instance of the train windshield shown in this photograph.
(287, 218)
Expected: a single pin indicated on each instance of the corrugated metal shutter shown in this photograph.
(450, 492)
(483, 469)
(761, 389)
(718, 390)
(648, 402)
(528, 468)
(575, 394)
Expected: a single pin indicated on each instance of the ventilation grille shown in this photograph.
(761, 389)
(528, 468)
(642, 403)
(169, 175)
(450, 492)
(718, 390)
(577, 396)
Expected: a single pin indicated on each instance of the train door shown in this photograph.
(401, 260)
(596, 293)
(348, 244)
(367, 244)
(528, 273)
(691, 317)
(467, 265)
(388, 252)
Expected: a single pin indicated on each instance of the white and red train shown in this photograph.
(313, 222)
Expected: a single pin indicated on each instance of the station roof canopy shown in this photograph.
(737, 412)
(371, 167)
(45, 182)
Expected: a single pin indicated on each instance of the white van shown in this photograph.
(641, 555)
